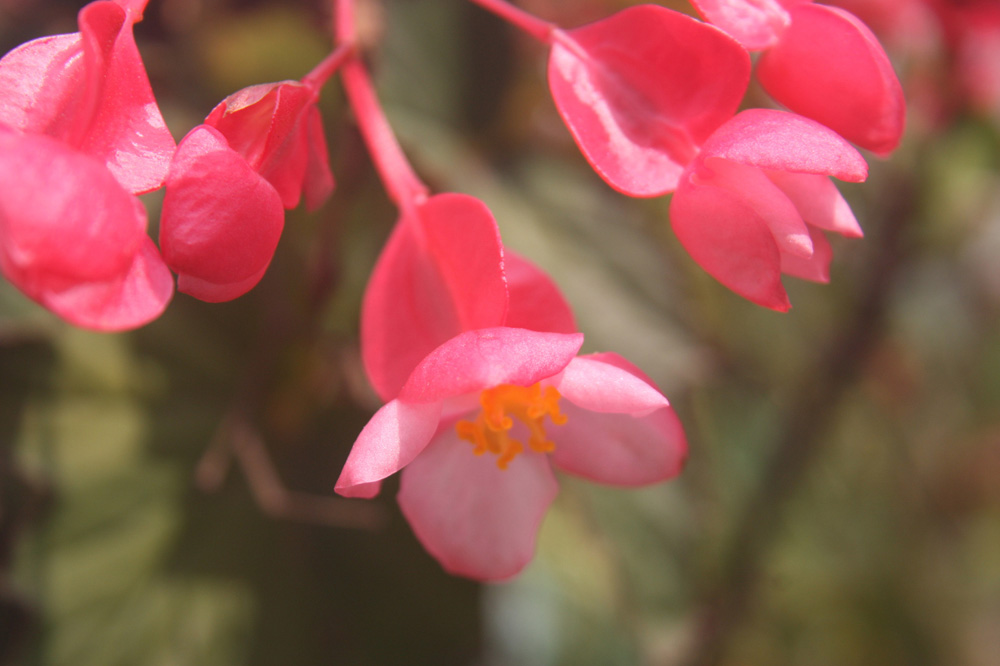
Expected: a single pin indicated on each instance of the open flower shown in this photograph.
(80, 134)
(481, 421)
(821, 62)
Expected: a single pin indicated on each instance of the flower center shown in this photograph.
(501, 405)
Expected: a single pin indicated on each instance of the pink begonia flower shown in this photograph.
(755, 201)
(73, 240)
(81, 133)
(444, 271)
(641, 91)
(257, 153)
(821, 62)
(481, 421)
(751, 191)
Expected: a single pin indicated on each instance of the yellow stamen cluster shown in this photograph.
(527, 404)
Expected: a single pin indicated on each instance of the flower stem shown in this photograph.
(321, 73)
(401, 182)
(529, 23)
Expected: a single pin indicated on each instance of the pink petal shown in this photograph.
(593, 384)
(221, 221)
(90, 90)
(477, 360)
(830, 67)
(765, 198)
(730, 241)
(785, 142)
(642, 89)
(132, 300)
(756, 24)
(619, 449)
(64, 219)
(815, 268)
(40, 81)
(818, 201)
(477, 520)
(441, 273)
(394, 436)
(535, 301)
(277, 129)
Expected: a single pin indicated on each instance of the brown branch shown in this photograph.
(236, 439)
(731, 599)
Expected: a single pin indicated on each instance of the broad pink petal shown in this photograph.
(441, 273)
(756, 24)
(90, 90)
(481, 359)
(818, 201)
(619, 449)
(784, 141)
(221, 221)
(134, 299)
(815, 268)
(592, 384)
(830, 67)
(477, 520)
(729, 240)
(126, 129)
(394, 436)
(642, 89)
(765, 198)
(535, 301)
(64, 219)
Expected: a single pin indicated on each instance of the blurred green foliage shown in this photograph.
(841, 504)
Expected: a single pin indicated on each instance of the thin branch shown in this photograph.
(731, 600)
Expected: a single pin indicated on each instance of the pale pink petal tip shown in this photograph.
(756, 24)
(394, 436)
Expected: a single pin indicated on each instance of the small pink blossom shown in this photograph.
(258, 152)
(479, 425)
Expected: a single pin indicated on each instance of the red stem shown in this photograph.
(321, 73)
(401, 182)
(529, 23)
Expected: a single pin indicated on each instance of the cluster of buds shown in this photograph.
(472, 347)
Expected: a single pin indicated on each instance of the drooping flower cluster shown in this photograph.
(473, 348)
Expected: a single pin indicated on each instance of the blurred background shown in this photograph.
(166, 496)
